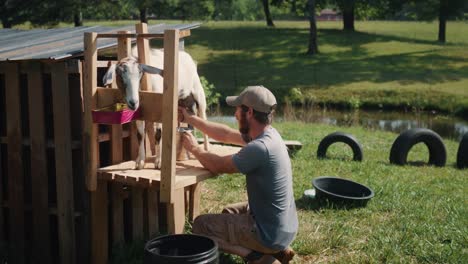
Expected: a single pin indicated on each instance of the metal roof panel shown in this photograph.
(63, 43)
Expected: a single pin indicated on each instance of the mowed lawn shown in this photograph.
(381, 65)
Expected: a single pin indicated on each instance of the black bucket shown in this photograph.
(180, 249)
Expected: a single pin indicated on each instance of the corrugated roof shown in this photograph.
(62, 43)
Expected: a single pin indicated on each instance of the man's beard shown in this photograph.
(244, 127)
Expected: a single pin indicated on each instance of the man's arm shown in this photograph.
(213, 162)
(217, 131)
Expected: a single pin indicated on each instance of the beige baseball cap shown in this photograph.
(257, 97)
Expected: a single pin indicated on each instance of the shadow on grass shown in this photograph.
(314, 204)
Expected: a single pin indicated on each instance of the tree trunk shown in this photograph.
(348, 15)
(144, 15)
(443, 10)
(313, 46)
(78, 19)
(266, 9)
(294, 7)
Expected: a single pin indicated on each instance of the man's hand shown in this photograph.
(189, 142)
(183, 115)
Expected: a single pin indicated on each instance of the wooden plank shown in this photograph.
(153, 209)
(117, 201)
(41, 248)
(117, 213)
(176, 213)
(116, 188)
(129, 35)
(144, 57)
(143, 54)
(2, 168)
(194, 201)
(63, 163)
(188, 172)
(169, 119)
(99, 226)
(124, 50)
(90, 130)
(15, 164)
(123, 44)
(182, 34)
(107, 97)
(137, 213)
(151, 105)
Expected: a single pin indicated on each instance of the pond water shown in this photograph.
(446, 126)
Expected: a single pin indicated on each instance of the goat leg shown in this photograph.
(157, 137)
(140, 160)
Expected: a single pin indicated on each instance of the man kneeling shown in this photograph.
(261, 229)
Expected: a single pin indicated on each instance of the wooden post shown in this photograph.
(99, 226)
(124, 46)
(144, 55)
(124, 50)
(194, 201)
(169, 119)
(2, 172)
(90, 130)
(63, 163)
(15, 164)
(153, 212)
(98, 210)
(39, 179)
(176, 212)
(117, 193)
(137, 212)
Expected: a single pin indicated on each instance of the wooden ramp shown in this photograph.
(188, 172)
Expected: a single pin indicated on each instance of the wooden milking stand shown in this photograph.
(174, 178)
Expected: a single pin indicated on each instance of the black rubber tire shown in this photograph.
(407, 139)
(348, 139)
(462, 154)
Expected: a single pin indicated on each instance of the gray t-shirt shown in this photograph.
(266, 164)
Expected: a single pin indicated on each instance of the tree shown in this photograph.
(266, 9)
(143, 6)
(442, 10)
(313, 46)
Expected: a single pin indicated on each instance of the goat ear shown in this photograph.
(109, 76)
(151, 69)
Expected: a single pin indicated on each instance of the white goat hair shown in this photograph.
(129, 73)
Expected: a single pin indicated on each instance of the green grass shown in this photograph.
(418, 215)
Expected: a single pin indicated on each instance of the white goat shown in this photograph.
(129, 73)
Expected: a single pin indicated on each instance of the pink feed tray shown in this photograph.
(115, 114)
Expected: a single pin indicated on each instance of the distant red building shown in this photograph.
(328, 15)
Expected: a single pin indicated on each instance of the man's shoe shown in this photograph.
(285, 255)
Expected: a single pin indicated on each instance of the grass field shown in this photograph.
(382, 65)
(418, 214)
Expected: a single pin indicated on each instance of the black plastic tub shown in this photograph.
(181, 249)
(341, 191)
